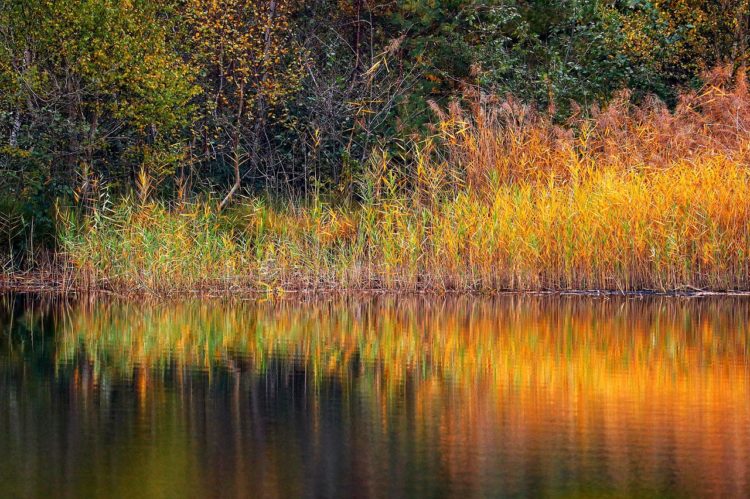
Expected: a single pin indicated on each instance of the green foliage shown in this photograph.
(90, 86)
(555, 52)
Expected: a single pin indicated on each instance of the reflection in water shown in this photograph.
(376, 396)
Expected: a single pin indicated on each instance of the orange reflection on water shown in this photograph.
(514, 392)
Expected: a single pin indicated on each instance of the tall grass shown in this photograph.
(629, 198)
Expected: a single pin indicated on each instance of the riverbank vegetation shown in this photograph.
(452, 145)
(636, 197)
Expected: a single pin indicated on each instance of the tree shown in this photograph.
(95, 85)
(90, 91)
(671, 42)
(251, 66)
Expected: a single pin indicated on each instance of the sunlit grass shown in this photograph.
(632, 198)
(666, 229)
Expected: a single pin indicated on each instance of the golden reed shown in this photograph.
(629, 197)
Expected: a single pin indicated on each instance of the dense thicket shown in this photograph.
(292, 96)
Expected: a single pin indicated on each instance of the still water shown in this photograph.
(375, 396)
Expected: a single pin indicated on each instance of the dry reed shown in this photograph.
(632, 197)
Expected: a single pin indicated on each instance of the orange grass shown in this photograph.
(630, 198)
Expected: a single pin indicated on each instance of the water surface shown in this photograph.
(375, 396)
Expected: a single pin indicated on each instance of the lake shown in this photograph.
(375, 396)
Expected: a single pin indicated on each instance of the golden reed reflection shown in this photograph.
(626, 388)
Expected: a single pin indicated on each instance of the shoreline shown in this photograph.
(46, 282)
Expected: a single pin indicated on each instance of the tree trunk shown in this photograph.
(16, 128)
(236, 160)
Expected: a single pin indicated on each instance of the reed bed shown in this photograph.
(499, 198)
